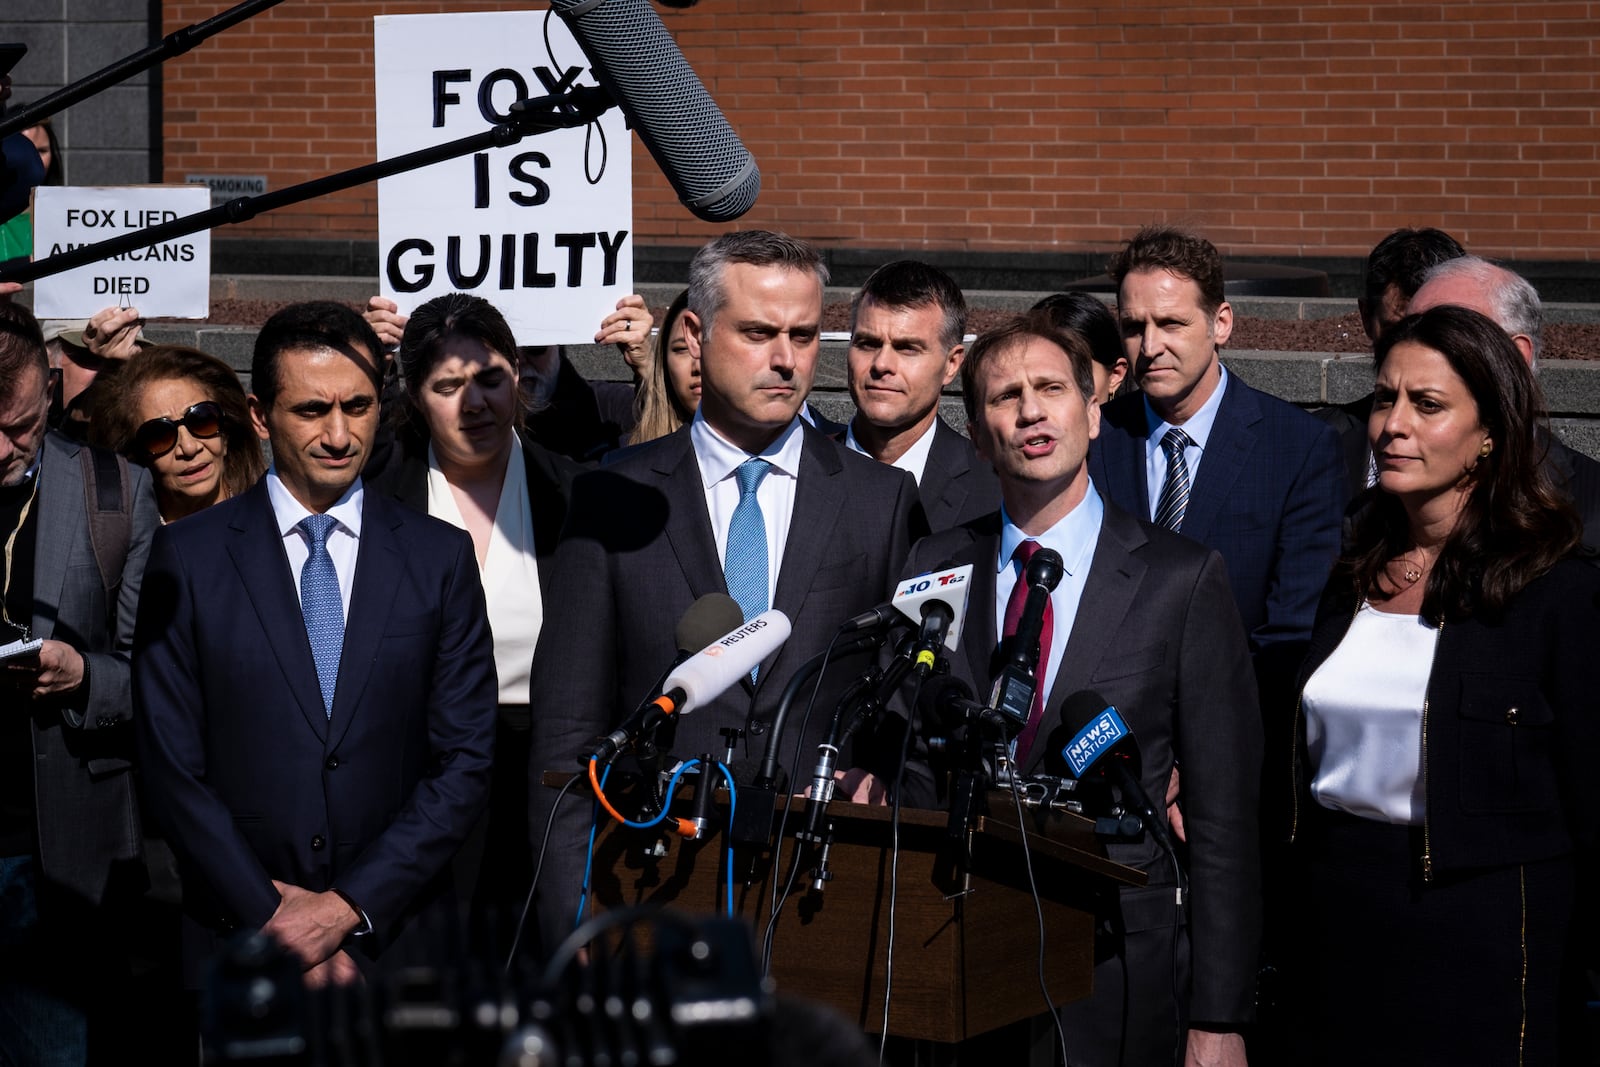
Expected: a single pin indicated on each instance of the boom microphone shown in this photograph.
(1018, 680)
(637, 60)
(1096, 741)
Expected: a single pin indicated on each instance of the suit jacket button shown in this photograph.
(317, 843)
(1511, 715)
(333, 763)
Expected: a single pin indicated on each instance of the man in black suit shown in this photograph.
(1510, 300)
(1396, 267)
(907, 326)
(1143, 617)
(748, 500)
(69, 828)
(315, 680)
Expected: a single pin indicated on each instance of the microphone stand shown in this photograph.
(578, 107)
(173, 44)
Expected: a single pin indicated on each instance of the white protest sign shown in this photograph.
(167, 280)
(522, 226)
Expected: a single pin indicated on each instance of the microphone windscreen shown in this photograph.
(718, 667)
(1091, 728)
(637, 60)
(706, 620)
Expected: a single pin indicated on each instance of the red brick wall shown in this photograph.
(1273, 127)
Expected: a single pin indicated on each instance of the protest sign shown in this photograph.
(171, 279)
(541, 228)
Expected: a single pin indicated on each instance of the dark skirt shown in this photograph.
(1463, 970)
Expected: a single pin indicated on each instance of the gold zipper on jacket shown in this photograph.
(1427, 802)
(1522, 1032)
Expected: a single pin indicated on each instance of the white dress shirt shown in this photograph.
(719, 458)
(344, 539)
(1363, 711)
(1199, 430)
(510, 571)
(1074, 538)
(913, 460)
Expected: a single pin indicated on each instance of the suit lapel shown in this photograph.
(1109, 591)
(688, 523)
(980, 638)
(944, 489)
(60, 507)
(1124, 428)
(1228, 449)
(379, 566)
(818, 498)
(258, 555)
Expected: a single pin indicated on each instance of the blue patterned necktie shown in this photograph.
(744, 565)
(1175, 493)
(322, 606)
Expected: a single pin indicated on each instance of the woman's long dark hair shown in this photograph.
(116, 417)
(1515, 524)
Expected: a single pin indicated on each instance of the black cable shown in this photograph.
(894, 859)
(1177, 931)
(594, 125)
(538, 869)
(778, 901)
(567, 951)
(1038, 910)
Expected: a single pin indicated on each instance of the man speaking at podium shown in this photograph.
(746, 500)
(1145, 618)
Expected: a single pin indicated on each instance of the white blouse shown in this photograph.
(510, 572)
(1363, 710)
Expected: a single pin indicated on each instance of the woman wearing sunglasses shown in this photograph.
(181, 413)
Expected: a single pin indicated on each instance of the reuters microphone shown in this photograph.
(719, 666)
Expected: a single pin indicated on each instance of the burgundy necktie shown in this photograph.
(1019, 597)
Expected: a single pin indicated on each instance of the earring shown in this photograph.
(1483, 453)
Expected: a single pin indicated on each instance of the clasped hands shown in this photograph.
(311, 926)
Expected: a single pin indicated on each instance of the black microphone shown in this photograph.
(1014, 689)
(702, 623)
(637, 60)
(1096, 741)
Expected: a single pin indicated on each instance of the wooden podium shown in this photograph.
(964, 952)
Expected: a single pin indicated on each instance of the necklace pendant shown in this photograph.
(1413, 573)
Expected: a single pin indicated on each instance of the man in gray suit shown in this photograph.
(907, 326)
(746, 500)
(69, 831)
(1144, 618)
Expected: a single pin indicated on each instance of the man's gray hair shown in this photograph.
(760, 248)
(1514, 299)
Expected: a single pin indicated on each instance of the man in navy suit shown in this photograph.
(1203, 454)
(746, 500)
(314, 679)
(907, 326)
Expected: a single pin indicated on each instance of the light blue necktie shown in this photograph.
(745, 563)
(322, 606)
(1174, 499)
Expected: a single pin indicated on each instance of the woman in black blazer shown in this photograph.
(461, 457)
(1446, 741)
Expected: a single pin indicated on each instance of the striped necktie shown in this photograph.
(1174, 498)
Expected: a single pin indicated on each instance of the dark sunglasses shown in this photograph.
(159, 436)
